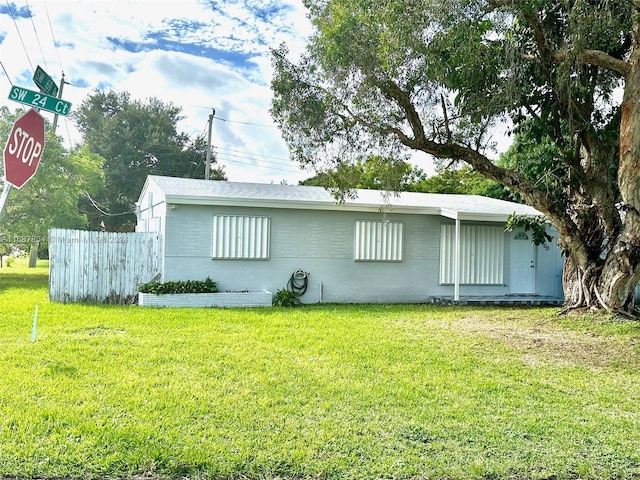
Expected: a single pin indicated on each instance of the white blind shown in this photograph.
(378, 241)
(240, 237)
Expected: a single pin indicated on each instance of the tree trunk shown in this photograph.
(608, 282)
(600, 287)
(33, 253)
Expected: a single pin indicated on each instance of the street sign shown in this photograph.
(40, 100)
(44, 82)
(24, 148)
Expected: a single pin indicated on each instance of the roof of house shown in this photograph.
(212, 192)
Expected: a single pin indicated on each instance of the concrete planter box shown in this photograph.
(221, 299)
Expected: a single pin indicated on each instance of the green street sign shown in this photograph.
(44, 82)
(40, 100)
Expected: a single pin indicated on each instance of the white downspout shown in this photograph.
(456, 265)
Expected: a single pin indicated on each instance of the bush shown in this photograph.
(286, 298)
(187, 286)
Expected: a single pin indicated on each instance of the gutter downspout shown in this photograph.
(456, 265)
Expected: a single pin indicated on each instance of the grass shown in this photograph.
(336, 392)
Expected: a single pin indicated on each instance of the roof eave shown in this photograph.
(296, 204)
(479, 217)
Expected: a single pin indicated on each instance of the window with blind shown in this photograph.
(241, 237)
(481, 255)
(378, 241)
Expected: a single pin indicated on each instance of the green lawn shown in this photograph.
(339, 392)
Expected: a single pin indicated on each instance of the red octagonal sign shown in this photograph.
(24, 148)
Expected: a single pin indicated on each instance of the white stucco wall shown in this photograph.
(321, 243)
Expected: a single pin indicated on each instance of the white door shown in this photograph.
(522, 277)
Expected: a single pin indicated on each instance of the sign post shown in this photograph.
(6, 188)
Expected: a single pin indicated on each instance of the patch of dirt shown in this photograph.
(549, 343)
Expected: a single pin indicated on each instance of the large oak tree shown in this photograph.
(136, 138)
(435, 77)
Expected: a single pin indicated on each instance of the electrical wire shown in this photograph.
(284, 160)
(250, 156)
(245, 123)
(101, 208)
(19, 34)
(5, 73)
(253, 164)
(193, 158)
(35, 31)
(55, 44)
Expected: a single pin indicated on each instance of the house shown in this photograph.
(387, 248)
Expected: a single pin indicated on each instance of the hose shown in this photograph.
(298, 282)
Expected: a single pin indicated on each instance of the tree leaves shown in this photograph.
(136, 139)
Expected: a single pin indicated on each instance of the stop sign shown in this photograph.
(24, 148)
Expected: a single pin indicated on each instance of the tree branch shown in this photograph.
(549, 56)
(587, 57)
(594, 57)
(540, 36)
(502, 3)
(393, 92)
(446, 118)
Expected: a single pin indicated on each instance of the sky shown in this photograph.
(197, 54)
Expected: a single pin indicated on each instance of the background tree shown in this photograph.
(436, 76)
(136, 139)
(378, 173)
(461, 180)
(50, 199)
(373, 173)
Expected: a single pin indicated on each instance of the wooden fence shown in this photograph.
(101, 267)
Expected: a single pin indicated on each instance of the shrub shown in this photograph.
(187, 286)
(286, 298)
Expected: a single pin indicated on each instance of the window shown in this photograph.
(378, 241)
(481, 255)
(239, 237)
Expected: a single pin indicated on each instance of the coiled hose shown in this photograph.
(298, 282)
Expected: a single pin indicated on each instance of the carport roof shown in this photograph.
(188, 191)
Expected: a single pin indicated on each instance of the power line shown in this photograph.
(101, 208)
(253, 164)
(285, 160)
(19, 34)
(55, 44)
(193, 158)
(256, 160)
(245, 123)
(35, 31)
(235, 121)
(5, 73)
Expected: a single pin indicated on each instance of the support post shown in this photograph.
(4, 196)
(207, 167)
(55, 117)
(456, 265)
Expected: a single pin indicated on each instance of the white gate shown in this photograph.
(101, 267)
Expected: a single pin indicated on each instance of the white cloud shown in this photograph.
(194, 54)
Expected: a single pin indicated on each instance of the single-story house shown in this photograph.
(386, 248)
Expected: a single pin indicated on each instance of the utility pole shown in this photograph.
(207, 168)
(55, 118)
